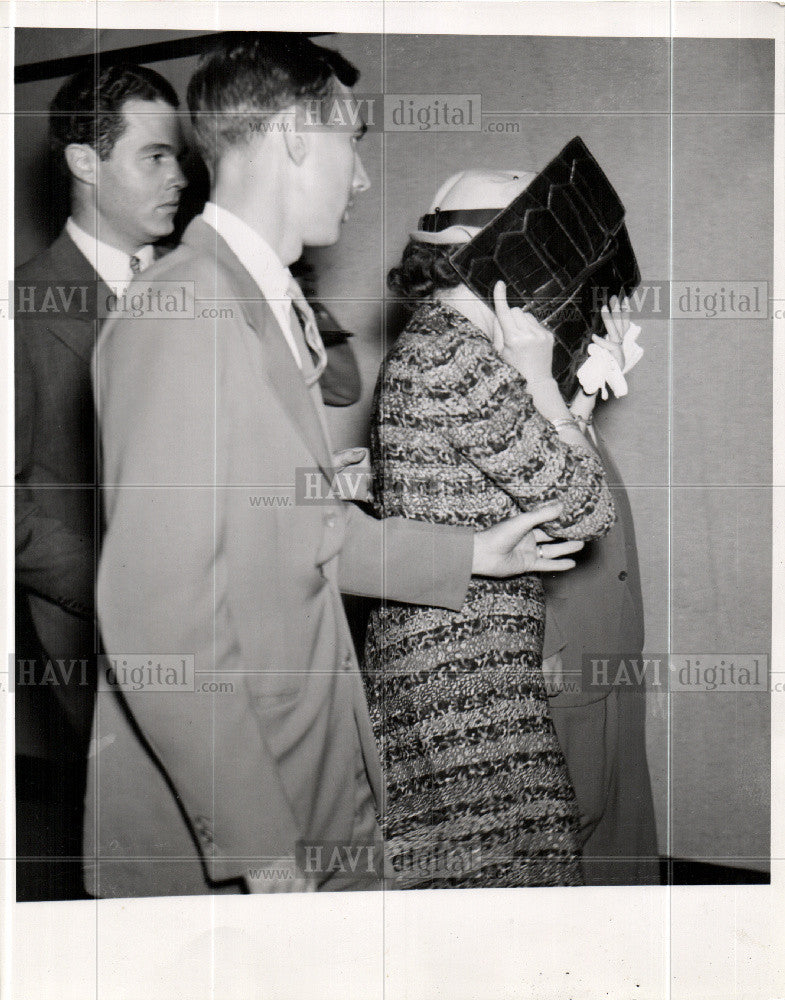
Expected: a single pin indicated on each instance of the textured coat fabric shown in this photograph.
(190, 789)
(477, 791)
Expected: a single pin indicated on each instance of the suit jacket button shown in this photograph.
(623, 575)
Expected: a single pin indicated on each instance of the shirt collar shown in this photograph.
(264, 265)
(113, 265)
(254, 253)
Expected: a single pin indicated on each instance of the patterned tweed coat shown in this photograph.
(477, 791)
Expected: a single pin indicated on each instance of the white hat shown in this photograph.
(468, 201)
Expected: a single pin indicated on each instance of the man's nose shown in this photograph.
(177, 178)
(360, 181)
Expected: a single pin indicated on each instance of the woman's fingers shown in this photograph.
(531, 321)
(520, 524)
(509, 320)
(609, 322)
(500, 302)
(554, 550)
(543, 536)
(553, 565)
(620, 308)
(621, 314)
(616, 311)
(512, 317)
(625, 315)
(549, 555)
(616, 318)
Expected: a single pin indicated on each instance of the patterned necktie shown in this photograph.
(136, 265)
(304, 322)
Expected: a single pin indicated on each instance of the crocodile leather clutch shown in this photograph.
(562, 249)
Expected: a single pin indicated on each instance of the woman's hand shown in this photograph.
(617, 323)
(522, 340)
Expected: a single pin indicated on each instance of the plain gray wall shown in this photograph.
(693, 437)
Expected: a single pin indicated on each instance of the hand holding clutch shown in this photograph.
(522, 340)
(562, 248)
(612, 356)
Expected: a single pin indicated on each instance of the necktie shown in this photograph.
(304, 326)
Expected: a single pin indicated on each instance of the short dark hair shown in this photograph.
(88, 108)
(249, 76)
(424, 268)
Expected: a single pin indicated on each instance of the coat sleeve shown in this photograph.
(156, 392)
(52, 560)
(405, 560)
(491, 420)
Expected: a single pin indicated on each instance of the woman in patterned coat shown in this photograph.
(468, 428)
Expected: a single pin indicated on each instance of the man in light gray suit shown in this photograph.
(206, 418)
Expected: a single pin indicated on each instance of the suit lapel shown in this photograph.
(71, 269)
(284, 375)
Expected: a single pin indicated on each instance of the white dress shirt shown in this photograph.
(261, 262)
(113, 265)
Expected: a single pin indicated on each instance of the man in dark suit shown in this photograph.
(596, 612)
(213, 556)
(118, 137)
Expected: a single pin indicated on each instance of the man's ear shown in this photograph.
(82, 161)
(296, 145)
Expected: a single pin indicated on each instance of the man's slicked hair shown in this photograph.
(249, 77)
(88, 108)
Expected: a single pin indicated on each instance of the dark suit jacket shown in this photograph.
(197, 417)
(55, 330)
(57, 513)
(596, 609)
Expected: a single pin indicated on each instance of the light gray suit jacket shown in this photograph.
(188, 790)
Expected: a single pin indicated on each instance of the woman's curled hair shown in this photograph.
(424, 268)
